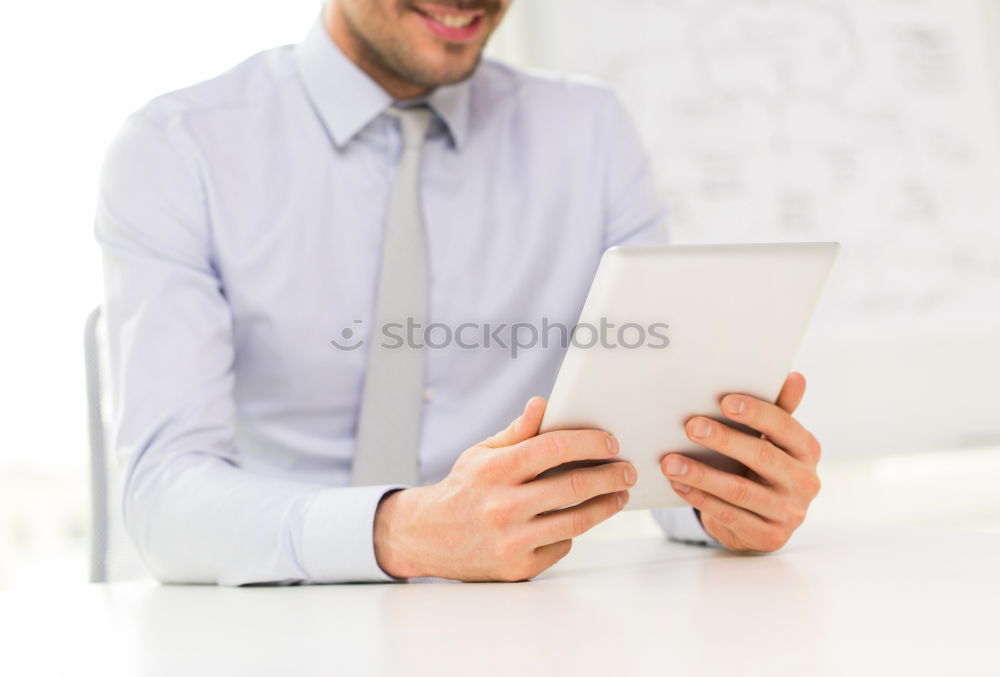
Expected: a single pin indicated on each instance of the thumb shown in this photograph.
(521, 428)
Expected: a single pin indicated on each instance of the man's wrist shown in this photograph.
(389, 536)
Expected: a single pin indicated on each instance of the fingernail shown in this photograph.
(676, 466)
(629, 474)
(701, 428)
(681, 488)
(735, 405)
(621, 500)
(612, 445)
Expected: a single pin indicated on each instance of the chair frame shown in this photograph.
(98, 451)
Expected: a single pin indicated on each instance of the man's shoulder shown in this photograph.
(531, 89)
(257, 82)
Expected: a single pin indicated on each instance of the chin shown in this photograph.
(439, 75)
(454, 77)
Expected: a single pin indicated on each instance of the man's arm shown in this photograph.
(193, 512)
(634, 212)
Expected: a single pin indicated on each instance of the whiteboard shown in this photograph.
(872, 122)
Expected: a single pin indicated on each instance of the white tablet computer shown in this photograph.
(667, 332)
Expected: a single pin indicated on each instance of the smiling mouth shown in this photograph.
(450, 24)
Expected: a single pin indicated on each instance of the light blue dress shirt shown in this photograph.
(241, 221)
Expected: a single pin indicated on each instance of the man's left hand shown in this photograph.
(760, 511)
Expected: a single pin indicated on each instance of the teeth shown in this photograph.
(452, 21)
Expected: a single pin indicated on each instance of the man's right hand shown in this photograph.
(491, 518)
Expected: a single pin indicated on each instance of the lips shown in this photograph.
(451, 24)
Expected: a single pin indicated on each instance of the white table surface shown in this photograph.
(836, 601)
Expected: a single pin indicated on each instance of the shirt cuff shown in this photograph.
(338, 536)
(683, 525)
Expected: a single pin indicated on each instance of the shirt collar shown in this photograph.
(347, 99)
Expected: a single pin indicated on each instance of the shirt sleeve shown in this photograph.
(194, 513)
(684, 526)
(635, 214)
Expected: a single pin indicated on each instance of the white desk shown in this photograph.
(837, 601)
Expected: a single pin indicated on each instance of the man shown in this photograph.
(255, 225)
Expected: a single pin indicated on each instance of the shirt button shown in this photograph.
(428, 394)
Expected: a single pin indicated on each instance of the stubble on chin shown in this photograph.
(403, 61)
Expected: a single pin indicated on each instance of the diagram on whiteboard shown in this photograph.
(872, 122)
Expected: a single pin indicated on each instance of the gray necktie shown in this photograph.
(392, 401)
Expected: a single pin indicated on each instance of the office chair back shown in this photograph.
(112, 556)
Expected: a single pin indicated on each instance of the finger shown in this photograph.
(521, 428)
(547, 555)
(530, 458)
(723, 534)
(758, 454)
(733, 489)
(780, 427)
(571, 522)
(747, 530)
(575, 486)
(792, 392)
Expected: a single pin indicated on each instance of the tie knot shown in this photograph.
(413, 124)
